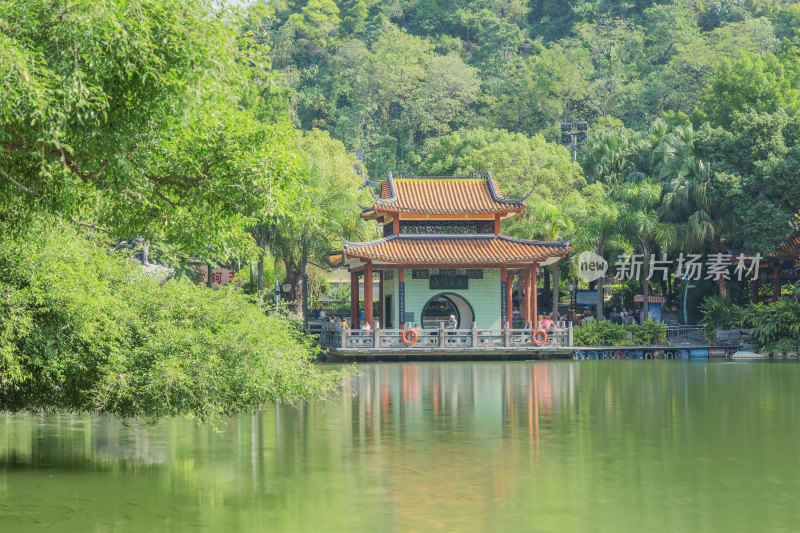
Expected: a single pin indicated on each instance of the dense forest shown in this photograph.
(693, 95)
(196, 132)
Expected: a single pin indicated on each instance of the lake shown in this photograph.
(517, 446)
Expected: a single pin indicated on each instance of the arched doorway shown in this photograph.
(439, 308)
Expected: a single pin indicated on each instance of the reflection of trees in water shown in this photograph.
(80, 443)
(411, 445)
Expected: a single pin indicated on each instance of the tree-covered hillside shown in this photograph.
(672, 91)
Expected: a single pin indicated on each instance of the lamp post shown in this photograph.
(571, 288)
(277, 294)
(685, 292)
(607, 292)
(285, 288)
(574, 138)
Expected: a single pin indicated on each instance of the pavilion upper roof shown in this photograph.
(475, 194)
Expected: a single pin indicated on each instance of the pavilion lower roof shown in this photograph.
(788, 249)
(481, 249)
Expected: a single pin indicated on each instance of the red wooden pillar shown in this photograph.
(776, 281)
(503, 284)
(396, 225)
(534, 295)
(496, 225)
(381, 310)
(755, 284)
(368, 295)
(401, 300)
(528, 299)
(509, 298)
(354, 299)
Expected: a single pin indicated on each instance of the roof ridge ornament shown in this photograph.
(367, 182)
(530, 193)
(568, 240)
(352, 244)
(345, 242)
(496, 193)
(393, 197)
(477, 175)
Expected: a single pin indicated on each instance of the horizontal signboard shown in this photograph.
(452, 283)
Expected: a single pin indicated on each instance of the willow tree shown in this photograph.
(326, 204)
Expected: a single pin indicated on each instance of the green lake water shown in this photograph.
(518, 446)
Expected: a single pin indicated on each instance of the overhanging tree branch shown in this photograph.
(92, 226)
(17, 184)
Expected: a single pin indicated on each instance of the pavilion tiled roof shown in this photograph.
(788, 249)
(448, 195)
(336, 258)
(467, 249)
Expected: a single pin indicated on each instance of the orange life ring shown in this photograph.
(413, 340)
(544, 337)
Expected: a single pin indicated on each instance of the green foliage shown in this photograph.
(342, 292)
(775, 325)
(720, 313)
(327, 206)
(609, 156)
(605, 333)
(650, 332)
(164, 120)
(134, 116)
(85, 330)
(749, 83)
(602, 333)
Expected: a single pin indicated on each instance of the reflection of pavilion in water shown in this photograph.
(476, 393)
(418, 418)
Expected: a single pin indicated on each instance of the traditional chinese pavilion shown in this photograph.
(442, 254)
(779, 265)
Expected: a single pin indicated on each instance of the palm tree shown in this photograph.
(600, 232)
(700, 217)
(609, 156)
(643, 224)
(550, 222)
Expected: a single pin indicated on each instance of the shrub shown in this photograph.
(606, 333)
(650, 332)
(776, 325)
(720, 313)
(84, 330)
(603, 333)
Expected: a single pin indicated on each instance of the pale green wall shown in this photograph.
(483, 295)
(390, 289)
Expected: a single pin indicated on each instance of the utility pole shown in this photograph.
(574, 138)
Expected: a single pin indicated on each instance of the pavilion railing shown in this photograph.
(335, 337)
